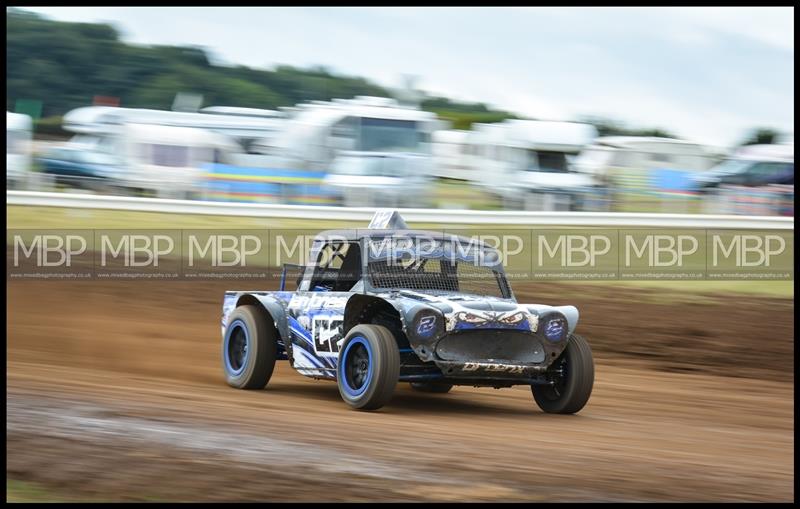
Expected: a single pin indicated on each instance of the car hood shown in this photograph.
(468, 312)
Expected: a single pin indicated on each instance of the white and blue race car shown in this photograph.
(386, 304)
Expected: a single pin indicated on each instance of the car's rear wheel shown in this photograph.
(249, 349)
(369, 367)
(434, 387)
(572, 377)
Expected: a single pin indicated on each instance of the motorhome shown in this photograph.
(528, 163)
(19, 148)
(318, 132)
(355, 142)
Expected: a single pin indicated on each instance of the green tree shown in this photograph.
(609, 127)
(66, 64)
(761, 136)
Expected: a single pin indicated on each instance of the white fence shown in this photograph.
(427, 216)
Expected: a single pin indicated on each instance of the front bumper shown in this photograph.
(500, 370)
(491, 354)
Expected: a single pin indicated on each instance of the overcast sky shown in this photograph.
(707, 74)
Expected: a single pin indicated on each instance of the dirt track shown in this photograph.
(115, 393)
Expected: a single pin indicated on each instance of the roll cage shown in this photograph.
(337, 264)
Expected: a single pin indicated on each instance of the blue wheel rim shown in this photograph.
(237, 347)
(354, 376)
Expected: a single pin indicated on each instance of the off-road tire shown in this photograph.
(573, 391)
(372, 387)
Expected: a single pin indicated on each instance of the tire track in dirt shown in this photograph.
(115, 392)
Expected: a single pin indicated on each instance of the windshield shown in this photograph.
(729, 167)
(384, 135)
(434, 265)
(548, 162)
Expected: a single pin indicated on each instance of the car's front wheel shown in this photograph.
(369, 367)
(572, 378)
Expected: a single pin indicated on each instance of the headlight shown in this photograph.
(555, 329)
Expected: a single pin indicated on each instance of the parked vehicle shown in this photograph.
(318, 132)
(371, 148)
(362, 179)
(19, 148)
(643, 173)
(527, 163)
(243, 125)
(755, 165)
(78, 167)
(165, 161)
(384, 305)
(611, 153)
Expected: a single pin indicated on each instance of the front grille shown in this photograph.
(489, 345)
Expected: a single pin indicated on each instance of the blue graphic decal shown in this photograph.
(554, 329)
(305, 343)
(308, 357)
(426, 326)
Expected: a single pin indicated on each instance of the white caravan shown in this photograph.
(19, 148)
(166, 161)
(527, 163)
(244, 125)
(171, 161)
(613, 156)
